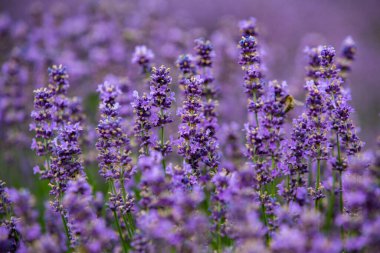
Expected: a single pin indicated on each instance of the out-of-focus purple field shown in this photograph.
(189, 126)
(286, 27)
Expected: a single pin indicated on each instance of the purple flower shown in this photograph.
(186, 66)
(66, 163)
(204, 51)
(142, 108)
(191, 136)
(143, 57)
(112, 144)
(42, 125)
(248, 27)
(91, 231)
(23, 204)
(347, 56)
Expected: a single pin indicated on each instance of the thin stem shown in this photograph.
(310, 178)
(340, 176)
(267, 237)
(64, 221)
(162, 143)
(125, 247)
(318, 181)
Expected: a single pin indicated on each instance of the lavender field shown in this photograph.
(199, 126)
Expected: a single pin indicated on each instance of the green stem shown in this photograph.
(162, 143)
(318, 181)
(125, 247)
(68, 243)
(340, 176)
(310, 178)
(267, 238)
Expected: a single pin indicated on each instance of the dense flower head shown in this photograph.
(142, 106)
(191, 136)
(143, 56)
(58, 79)
(65, 163)
(248, 51)
(113, 145)
(160, 91)
(204, 51)
(248, 27)
(321, 62)
(42, 125)
(185, 64)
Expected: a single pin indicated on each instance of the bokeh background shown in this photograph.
(96, 38)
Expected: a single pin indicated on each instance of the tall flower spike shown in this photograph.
(296, 159)
(143, 56)
(317, 137)
(113, 145)
(59, 84)
(189, 146)
(66, 163)
(250, 61)
(42, 125)
(142, 108)
(205, 54)
(162, 99)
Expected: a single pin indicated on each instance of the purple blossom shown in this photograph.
(142, 108)
(143, 56)
(91, 231)
(113, 145)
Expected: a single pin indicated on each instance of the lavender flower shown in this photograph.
(59, 84)
(205, 54)
(92, 232)
(162, 99)
(12, 96)
(346, 57)
(65, 163)
(317, 137)
(248, 27)
(297, 158)
(23, 204)
(143, 56)
(320, 63)
(42, 125)
(250, 61)
(189, 146)
(113, 145)
(186, 66)
(142, 129)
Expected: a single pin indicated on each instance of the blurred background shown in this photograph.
(97, 38)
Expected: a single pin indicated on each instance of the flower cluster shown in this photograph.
(143, 56)
(112, 144)
(190, 137)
